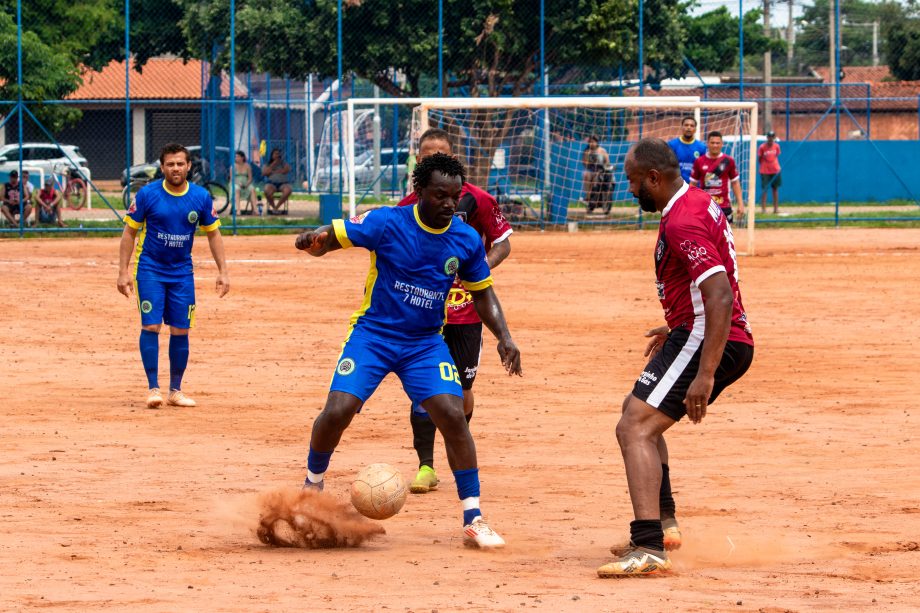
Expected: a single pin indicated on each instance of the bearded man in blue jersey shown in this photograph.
(416, 251)
(686, 147)
(162, 220)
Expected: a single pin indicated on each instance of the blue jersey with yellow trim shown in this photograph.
(412, 269)
(167, 224)
(686, 154)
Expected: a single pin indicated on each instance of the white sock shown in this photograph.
(315, 477)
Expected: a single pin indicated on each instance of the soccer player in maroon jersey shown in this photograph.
(705, 346)
(463, 330)
(715, 172)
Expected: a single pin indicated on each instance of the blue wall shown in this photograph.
(809, 166)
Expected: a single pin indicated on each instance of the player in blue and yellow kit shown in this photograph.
(165, 214)
(686, 147)
(416, 251)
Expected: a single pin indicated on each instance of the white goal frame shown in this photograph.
(688, 103)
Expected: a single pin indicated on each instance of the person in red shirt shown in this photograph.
(715, 172)
(48, 204)
(463, 330)
(768, 157)
(706, 346)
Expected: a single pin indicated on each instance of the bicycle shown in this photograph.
(218, 191)
(72, 185)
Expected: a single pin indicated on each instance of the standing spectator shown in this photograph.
(47, 202)
(594, 159)
(686, 147)
(245, 192)
(768, 157)
(276, 180)
(715, 172)
(10, 203)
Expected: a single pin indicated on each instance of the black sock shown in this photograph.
(665, 499)
(423, 431)
(647, 533)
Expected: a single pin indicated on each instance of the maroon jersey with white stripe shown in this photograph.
(479, 209)
(695, 242)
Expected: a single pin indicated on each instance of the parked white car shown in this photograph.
(46, 156)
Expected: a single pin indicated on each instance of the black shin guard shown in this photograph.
(423, 431)
(665, 500)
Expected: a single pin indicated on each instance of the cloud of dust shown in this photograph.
(309, 519)
(711, 547)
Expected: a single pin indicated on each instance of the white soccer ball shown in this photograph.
(379, 491)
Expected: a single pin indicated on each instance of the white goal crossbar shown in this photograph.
(688, 103)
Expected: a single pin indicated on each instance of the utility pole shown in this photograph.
(875, 43)
(832, 46)
(767, 71)
(790, 40)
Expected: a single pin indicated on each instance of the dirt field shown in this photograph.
(800, 490)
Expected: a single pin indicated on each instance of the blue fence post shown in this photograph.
(837, 113)
(129, 142)
(741, 50)
(19, 106)
(232, 148)
(440, 47)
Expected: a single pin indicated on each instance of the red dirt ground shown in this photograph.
(800, 490)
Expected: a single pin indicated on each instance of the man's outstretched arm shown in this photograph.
(318, 242)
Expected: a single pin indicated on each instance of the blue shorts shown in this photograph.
(169, 302)
(424, 367)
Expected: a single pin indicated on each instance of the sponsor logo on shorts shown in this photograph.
(647, 378)
(470, 372)
(146, 307)
(192, 216)
(451, 266)
(345, 367)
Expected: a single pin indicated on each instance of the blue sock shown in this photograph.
(178, 359)
(468, 491)
(150, 355)
(317, 463)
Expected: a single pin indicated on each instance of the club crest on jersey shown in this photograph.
(345, 367)
(451, 266)
(659, 250)
(192, 216)
(146, 307)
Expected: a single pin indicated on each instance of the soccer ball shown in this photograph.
(379, 491)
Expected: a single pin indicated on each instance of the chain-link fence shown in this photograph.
(256, 91)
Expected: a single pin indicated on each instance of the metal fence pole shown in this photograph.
(641, 48)
(441, 48)
(129, 143)
(837, 113)
(19, 106)
(232, 148)
(741, 50)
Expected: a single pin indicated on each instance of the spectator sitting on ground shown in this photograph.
(47, 203)
(276, 180)
(9, 206)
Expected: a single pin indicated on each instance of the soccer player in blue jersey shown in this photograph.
(163, 220)
(686, 147)
(416, 251)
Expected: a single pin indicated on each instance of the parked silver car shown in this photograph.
(324, 176)
(47, 156)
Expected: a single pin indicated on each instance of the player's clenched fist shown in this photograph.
(313, 242)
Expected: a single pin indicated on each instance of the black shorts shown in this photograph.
(465, 344)
(664, 382)
(774, 181)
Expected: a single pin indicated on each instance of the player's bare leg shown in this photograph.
(270, 196)
(639, 433)
(775, 200)
(446, 410)
(336, 416)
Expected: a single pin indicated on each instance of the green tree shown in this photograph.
(905, 37)
(812, 44)
(153, 32)
(713, 41)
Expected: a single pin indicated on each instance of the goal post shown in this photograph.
(530, 149)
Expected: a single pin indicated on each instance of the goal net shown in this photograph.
(532, 153)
